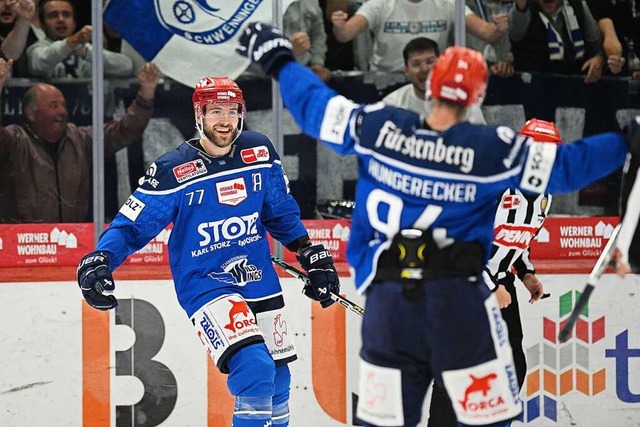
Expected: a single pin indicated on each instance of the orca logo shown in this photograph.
(480, 385)
(207, 22)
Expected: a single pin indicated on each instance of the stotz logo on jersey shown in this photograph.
(218, 234)
(239, 308)
(210, 331)
(231, 192)
(238, 272)
(513, 236)
(199, 21)
(189, 170)
(511, 202)
(255, 154)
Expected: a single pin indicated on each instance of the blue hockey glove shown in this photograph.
(96, 282)
(265, 46)
(323, 278)
(632, 132)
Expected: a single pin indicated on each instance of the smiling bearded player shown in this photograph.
(222, 192)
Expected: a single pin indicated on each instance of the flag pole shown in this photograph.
(460, 24)
(97, 84)
(276, 106)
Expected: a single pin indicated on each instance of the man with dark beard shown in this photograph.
(223, 192)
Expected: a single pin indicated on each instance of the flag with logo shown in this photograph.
(188, 39)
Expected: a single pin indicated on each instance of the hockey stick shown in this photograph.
(300, 275)
(592, 281)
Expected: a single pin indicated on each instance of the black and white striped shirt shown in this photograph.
(519, 217)
(629, 237)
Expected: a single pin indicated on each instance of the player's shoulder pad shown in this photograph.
(173, 168)
(510, 145)
(255, 147)
(336, 119)
(502, 142)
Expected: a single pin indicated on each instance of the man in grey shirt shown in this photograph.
(303, 25)
(66, 53)
(419, 56)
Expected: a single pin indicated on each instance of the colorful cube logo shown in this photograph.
(555, 368)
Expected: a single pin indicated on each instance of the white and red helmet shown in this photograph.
(541, 131)
(216, 90)
(459, 75)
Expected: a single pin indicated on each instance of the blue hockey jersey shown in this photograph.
(221, 209)
(447, 182)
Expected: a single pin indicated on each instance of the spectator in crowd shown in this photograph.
(65, 52)
(602, 11)
(498, 55)
(394, 24)
(303, 25)
(17, 32)
(340, 56)
(556, 36)
(488, 10)
(419, 56)
(626, 18)
(46, 163)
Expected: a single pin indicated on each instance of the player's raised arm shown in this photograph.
(306, 97)
(569, 167)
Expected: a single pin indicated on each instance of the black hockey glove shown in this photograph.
(322, 274)
(632, 132)
(96, 282)
(265, 46)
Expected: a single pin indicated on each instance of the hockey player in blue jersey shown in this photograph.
(422, 228)
(519, 218)
(223, 192)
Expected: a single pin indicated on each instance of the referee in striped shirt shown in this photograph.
(519, 217)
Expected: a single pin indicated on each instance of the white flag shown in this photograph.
(189, 39)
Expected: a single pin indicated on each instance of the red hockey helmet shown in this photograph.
(459, 75)
(216, 90)
(541, 131)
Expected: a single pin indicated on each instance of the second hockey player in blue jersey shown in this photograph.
(519, 218)
(423, 227)
(223, 192)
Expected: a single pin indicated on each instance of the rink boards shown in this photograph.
(65, 364)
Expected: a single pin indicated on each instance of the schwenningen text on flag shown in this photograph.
(188, 39)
